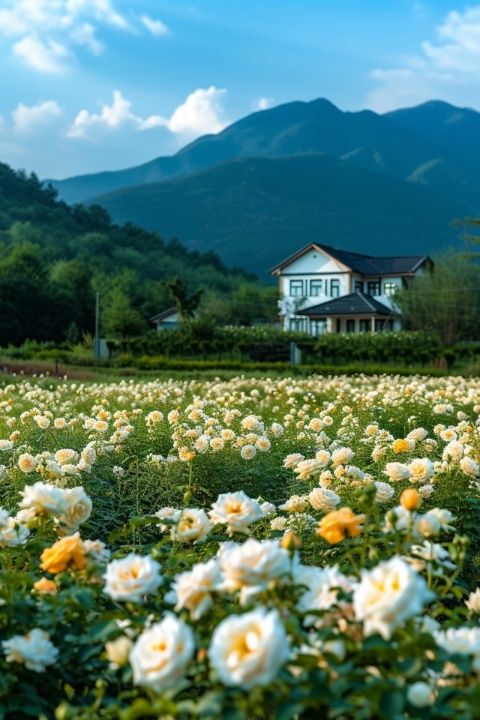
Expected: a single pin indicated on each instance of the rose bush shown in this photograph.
(252, 549)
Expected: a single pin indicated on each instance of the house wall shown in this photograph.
(314, 265)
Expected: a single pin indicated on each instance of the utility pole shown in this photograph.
(97, 326)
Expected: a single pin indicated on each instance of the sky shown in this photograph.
(93, 85)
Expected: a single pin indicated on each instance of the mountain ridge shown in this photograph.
(427, 155)
(237, 210)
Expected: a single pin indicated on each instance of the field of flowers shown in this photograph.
(253, 549)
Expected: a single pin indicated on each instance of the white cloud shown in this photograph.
(111, 117)
(156, 27)
(47, 58)
(85, 35)
(27, 118)
(447, 67)
(201, 113)
(263, 103)
(43, 32)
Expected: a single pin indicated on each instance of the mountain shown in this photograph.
(434, 145)
(277, 178)
(255, 211)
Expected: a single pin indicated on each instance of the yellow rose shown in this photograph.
(337, 524)
(45, 586)
(67, 551)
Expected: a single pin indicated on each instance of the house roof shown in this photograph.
(356, 303)
(363, 264)
(164, 314)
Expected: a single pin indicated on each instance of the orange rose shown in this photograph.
(400, 446)
(67, 551)
(337, 524)
(410, 499)
(45, 586)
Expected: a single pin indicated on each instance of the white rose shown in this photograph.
(323, 499)
(397, 471)
(253, 566)
(323, 585)
(459, 641)
(236, 510)
(249, 650)
(34, 650)
(420, 694)
(292, 460)
(473, 602)
(389, 595)
(384, 492)
(12, 533)
(268, 509)
(27, 463)
(79, 508)
(132, 578)
(193, 526)
(421, 470)
(470, 467)
(160, 656)
(342, 456)
(193, 589)
(44, 498)
(444, 517)
(427, 525)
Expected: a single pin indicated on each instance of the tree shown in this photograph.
(186, 304)
(445, 300)
(120, 319)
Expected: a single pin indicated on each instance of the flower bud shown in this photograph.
(118, 650)
(420, 694)
(290, 541)
(410, 499)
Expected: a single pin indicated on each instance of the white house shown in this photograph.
(323, 289)
(167, 320)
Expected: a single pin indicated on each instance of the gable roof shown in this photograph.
(357, 303)
(164, 314)
(363, 264)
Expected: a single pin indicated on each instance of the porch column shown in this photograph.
(372, 324)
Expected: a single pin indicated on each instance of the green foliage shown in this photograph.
(337, 669)
(53, 258)
(445, 301)
(409, 348)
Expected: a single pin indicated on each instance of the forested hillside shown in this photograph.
(53, 259)
(254, 212)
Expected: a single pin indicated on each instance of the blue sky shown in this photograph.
(89, 85)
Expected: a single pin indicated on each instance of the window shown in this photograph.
(358, 285)
(334, 288)
(318, 327)
(297, 324)
(339, 325)
(374, 287)
(365, 326)
(389, 288)
(350, 326)
(296, 288)
(383, 325)
(316, 288)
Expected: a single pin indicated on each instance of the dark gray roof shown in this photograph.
(364, 264)
(164, 314)
(368, 265)
(356, 303)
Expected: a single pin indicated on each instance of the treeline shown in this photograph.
(54, 258)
